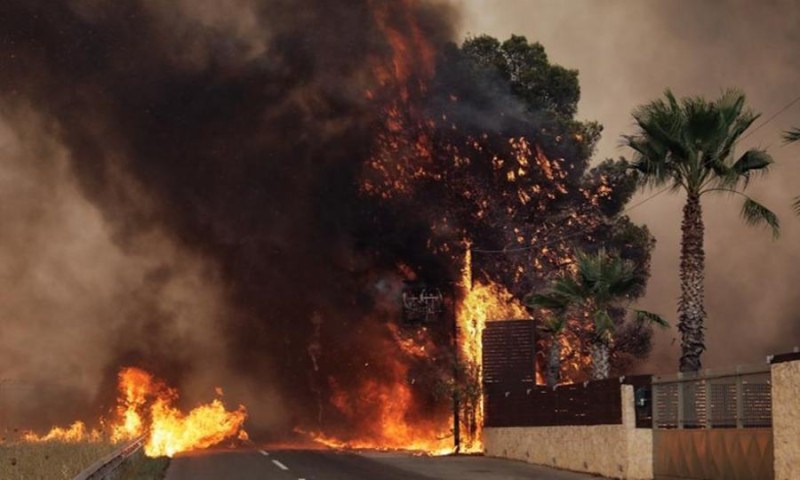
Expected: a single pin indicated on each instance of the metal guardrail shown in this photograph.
(738, 398)
(106, 466)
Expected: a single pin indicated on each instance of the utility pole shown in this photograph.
(456, 375)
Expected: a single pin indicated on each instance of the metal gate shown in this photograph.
(713, 425)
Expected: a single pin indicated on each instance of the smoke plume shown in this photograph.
(182, 194)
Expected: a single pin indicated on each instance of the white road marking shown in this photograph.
(280, 465)
(264, 453)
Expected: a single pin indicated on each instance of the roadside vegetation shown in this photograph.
(49, 460)
(145, 468)
(63, 461)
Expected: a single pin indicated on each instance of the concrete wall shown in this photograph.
(786, 419)
(615, 451)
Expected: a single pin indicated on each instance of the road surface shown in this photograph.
(288, 464)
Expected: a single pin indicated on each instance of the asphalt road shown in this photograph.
(289, 464)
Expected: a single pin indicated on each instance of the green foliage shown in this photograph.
(525, 66)
(643, 316)
(510, 88)
(600, 283)
(792, 135)
(688, 144)
(755, 213)
(521, 72)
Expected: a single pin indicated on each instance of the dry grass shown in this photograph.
(49, 461)
(143, 468)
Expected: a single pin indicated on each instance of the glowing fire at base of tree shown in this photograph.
(482, 302)
(146, 407)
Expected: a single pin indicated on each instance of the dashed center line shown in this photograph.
(280, 465)
(264, 453)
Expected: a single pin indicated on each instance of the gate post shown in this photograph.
(786, 415)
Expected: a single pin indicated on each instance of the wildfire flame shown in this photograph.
(391, 428)
(482, 302)
(146, 408)
(77, 432)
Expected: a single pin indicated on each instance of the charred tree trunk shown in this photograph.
(691, 311)
(601, 366)
(554, 362)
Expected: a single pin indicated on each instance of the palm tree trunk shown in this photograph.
(691, 312)
(554, 362)
(600, 360)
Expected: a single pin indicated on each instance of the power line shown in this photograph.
(774, 115)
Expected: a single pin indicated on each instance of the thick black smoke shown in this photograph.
(244, 144)
(245, 135)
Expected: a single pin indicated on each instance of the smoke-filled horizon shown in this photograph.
(627, 53)
(232, 193)
(182, 194)
(245, 190)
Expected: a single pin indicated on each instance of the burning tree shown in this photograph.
(600, 283)
(491, 147)
(314, 164)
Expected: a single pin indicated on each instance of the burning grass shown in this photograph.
(146, 407)
(49, 460)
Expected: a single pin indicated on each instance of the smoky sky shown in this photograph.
(183, 196)
(181, 186)
(627, 53)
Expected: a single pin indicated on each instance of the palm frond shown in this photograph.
(555, 324)
(730, 105)
(753, 159)
(603, 323)
(740, 125)
(643, 316)
(659, 129)
(689, 142)
(792, 135)
(547, 301)
(756, 214)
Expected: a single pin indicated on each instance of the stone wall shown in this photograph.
(614, 451)
(786, 419)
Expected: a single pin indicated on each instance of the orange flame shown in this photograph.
(146, 408)
(389, 405)
(482, 302)
(75, 433)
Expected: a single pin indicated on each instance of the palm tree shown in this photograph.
(689, 145)
(555, 326)
(600, 282)
(790, 136)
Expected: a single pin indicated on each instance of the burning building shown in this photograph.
(314, 157)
